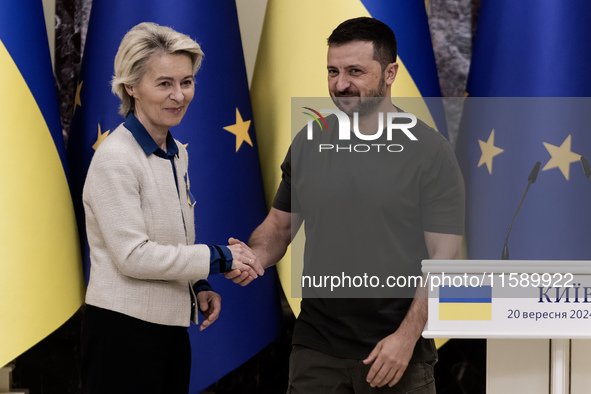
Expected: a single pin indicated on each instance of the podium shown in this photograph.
(535, 315)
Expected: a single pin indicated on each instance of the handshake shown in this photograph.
(245, 265)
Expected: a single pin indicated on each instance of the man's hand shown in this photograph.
(269, 242)
(245, 264)
(390, 358)
(243, 277)
(210, 304)
(392, 354)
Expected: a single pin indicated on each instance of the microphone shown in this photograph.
(586, 167)
(533, 175)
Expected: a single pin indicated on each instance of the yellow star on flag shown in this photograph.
(240, 130)
(77, 100)
(561, 157)
(489, 150)
(100, 137)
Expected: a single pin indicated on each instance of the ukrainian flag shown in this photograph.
(40, 272)
(465, 303)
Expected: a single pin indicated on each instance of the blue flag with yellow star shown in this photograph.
(223, 159)
(528, 101)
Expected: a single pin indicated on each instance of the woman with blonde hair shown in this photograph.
(147, 277)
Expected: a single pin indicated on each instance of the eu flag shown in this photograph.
(528, 101)
(223, 159)
(40, 274)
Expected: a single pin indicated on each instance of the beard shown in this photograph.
(350, 103)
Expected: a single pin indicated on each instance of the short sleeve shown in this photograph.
(442, 197)
(283, 198)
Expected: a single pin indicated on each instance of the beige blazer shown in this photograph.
(141, 233)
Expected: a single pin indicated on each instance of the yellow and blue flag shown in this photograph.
(40, 273)
(291, 62)
(223, 163)
(465, 303)
(529, 89)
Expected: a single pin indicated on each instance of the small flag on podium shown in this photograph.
(465, 303)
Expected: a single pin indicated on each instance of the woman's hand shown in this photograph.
(244, 260)
(210, 304)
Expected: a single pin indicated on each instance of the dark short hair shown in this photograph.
(367, 29)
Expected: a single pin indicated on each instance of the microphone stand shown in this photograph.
(586, 167)
(530, 180)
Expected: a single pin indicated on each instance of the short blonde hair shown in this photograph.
(137, 47)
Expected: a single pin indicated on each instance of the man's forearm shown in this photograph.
(414, 322)
(440, 247)
(268, 247)
(270, 240)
